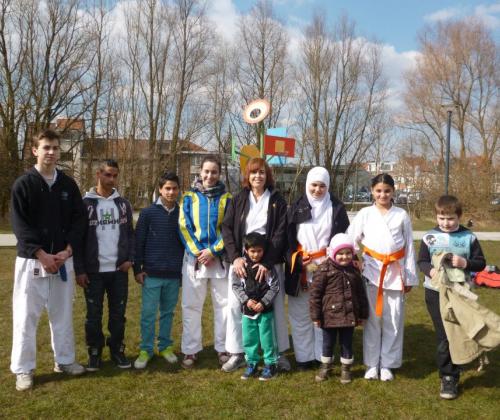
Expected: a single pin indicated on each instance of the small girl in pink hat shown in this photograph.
(337, 304)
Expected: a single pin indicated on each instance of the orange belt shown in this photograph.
(386, 259)
(301, 251)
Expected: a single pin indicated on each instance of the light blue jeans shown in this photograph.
(163, 293)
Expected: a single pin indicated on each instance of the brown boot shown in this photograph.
(345, 374)
(324, 372)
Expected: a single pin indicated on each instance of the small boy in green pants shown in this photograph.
(257, 308)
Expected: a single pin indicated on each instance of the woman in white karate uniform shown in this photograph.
(260, 208)
(386, 235)
(312, 221)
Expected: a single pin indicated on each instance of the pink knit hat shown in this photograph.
(338, 242)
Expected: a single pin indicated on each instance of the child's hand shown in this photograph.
(317, 324)
(433, 272)
(139, 277)
(258, 307)
(458, 262)
(251, 304)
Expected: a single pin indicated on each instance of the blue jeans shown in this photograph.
(156, 292)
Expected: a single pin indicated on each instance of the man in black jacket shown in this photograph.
(108, 255)
(48, 219)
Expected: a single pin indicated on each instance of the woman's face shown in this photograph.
(382, 194)
(210, 174)
(317, 189)
(257, 179)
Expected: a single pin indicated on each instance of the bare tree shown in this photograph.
(262, 66)
(342, 96)
(458, 67)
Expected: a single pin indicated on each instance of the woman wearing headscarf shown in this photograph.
(312, 221)
(260, 208)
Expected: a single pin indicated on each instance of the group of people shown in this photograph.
(250, 251)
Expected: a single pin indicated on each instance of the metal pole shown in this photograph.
(447, 161)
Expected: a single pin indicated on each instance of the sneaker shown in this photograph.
(169, 355)
(118, 356)
(284, 363)
(371, 373)
(223, 357)
(269, 372)
(189, 361)
(142, 361)
(345, 374)
(71, 368)
(235, 362)
(24, 381)
(449, 388)
(250, 372)
(324, 372)
(386, 375)
(94, 362)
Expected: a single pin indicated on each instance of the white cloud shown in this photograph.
(487, 15)
(225, 16)
(443, 14)
(395, 64)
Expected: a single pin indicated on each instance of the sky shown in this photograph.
(394, 23)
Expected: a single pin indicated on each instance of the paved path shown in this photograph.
(10, 240)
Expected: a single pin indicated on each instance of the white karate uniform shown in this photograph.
(313, 235)
(256, 221)
(385, 234)
(34, 290)
(194, 291)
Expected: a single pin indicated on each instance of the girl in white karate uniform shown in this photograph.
(386, 235)
(312, 221)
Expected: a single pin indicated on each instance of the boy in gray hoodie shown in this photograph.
(107, 257)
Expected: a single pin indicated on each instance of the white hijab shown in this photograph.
(314, 234)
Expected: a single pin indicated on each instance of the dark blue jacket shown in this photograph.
(159, 250)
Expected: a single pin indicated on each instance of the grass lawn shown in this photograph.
(163, 391)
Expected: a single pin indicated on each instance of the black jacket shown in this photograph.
(126, 243)
(233, 227)
(300, 212)
(46, 218)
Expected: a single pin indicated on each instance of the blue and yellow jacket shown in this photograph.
(200, 221)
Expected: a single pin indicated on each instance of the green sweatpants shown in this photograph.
(257, 333)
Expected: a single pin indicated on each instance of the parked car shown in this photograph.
(496, 201)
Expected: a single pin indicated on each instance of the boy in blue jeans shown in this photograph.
(157, 267)
(256, 298)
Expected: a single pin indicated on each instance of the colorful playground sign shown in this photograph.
(279, 146)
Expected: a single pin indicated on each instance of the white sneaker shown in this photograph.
(386, 375)
(235, 362)
(371, 373)
(24, 381)
(284, 363)
(74, 368)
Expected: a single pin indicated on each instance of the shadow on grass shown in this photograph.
(419, 352)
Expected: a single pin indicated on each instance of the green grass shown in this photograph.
(163, 391)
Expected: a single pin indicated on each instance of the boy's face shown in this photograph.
(255, 253)
(47, 153)
(169, 193)
(448, 222)
(107, 177)
(343, 257)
